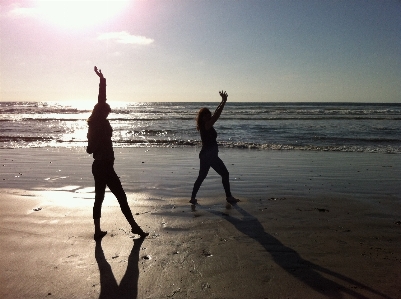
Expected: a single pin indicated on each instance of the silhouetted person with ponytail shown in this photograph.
(209, 153)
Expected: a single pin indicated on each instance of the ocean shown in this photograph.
(348, 127)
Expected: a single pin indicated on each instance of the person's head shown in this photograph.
(100, 111)
(204, 115)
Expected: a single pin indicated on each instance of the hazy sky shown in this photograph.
(187, 50)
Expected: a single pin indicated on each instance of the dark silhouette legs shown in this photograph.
(213, 161)
(104, 175)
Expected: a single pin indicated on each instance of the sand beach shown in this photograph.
(309, 225)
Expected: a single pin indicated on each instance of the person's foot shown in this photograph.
(99, 235)
(193, 201)
(137, 230)
(232, 200)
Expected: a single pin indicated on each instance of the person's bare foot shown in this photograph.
(99, 235)
(137, 230)
(232, 200)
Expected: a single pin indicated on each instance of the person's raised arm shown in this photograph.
(219, 109)
(101, 98)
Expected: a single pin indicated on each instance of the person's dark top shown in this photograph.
(99, 140)
(209, 138)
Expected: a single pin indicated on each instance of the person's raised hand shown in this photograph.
(223, 95)
(98, 72)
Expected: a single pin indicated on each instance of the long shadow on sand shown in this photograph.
(128, 288)
(289, 260)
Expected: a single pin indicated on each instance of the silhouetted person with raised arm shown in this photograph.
(209, 153)
(100, 145)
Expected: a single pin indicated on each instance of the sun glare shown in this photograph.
(76, 14)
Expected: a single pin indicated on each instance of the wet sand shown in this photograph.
(309, 225)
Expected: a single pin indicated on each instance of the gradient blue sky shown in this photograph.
(187, 50)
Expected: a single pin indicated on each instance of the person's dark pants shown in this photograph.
(210, 158)
(104, 175)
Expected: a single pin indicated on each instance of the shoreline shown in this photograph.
(171, 172)
(304, 229)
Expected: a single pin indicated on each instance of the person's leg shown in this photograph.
(114, 184)
(100, 187)
(203, 171)
(218, 165)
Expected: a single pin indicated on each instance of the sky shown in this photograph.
(188, 50)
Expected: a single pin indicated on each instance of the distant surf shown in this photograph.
(349, 127)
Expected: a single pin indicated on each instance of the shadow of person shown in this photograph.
(128, 287)
(290, 261)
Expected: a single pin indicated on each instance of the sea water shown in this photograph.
(350, 127)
